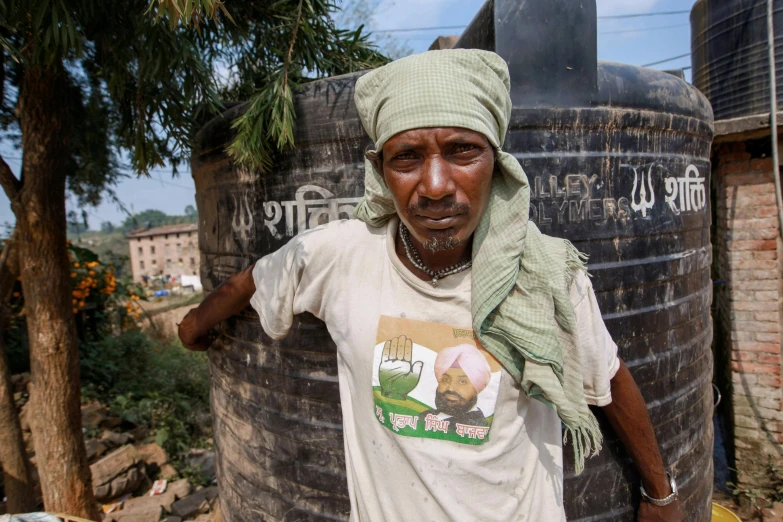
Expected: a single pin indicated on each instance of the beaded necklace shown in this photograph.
(413, 257)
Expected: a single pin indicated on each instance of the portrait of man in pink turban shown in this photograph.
(462, 373)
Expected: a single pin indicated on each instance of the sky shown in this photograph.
(638, 41)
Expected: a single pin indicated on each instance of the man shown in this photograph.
(462, 373)
(442, 248)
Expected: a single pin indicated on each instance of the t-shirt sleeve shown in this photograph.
(277, 277)
(597, 349)
(298, 277)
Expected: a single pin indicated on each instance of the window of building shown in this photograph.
(152, 249)
(165, 236)
(180, 261)
(139, 240)
(168, 263)
(192, 261)
(166, 249)
(177, 236)
(154, 262)
(141, 265)
(141, 251)
(179, 248)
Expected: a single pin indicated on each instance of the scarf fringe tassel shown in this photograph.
(587, 441)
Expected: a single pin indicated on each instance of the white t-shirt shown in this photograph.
(410, 456)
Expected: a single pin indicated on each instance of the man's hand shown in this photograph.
(652, 513)
(194, 336)
(397, 375)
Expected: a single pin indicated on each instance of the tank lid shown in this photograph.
(550, 47)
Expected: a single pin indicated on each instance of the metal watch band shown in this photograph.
(662, 501)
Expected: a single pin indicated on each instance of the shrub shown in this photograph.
(161, 386)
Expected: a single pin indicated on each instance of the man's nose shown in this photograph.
(436, 181)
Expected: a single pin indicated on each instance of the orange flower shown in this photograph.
(16, 294)
(73, 275)
(76, 265)
(92, 272)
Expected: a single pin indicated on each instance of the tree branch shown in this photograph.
(8, 181)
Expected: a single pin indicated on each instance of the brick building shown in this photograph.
(747, 299)
(168, 250)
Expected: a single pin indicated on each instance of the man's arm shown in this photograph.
(628, 416)
(230, 298)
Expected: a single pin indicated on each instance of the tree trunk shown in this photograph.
(16, 467)
(40, 212)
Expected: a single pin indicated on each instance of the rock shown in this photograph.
(198, 502)
(115, 440)
(95, 448)
(119, 472)
(204, 460)
(24, 419)
(139, 433)
(149, 503)
(203, 518)
(181, 488)
(93, 413)
(774, 513)
(172, 518)
(153, 515)
(111, 422)
(154, 457)
(20, 381)
(215, 515)
(167, 472)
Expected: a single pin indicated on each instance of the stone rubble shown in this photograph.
(121, 464)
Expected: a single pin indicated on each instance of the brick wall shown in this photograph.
(747, 303)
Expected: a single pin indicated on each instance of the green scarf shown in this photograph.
(520, 301)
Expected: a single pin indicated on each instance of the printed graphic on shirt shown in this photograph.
(433, 380)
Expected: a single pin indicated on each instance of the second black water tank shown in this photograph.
(729, 53)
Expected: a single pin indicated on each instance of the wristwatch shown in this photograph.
(662, 501)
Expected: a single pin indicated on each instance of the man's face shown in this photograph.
(440, 181)
(456, 394)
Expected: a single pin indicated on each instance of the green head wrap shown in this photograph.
(520, 301)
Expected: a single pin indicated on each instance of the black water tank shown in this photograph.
(622, 173)
(729, 55)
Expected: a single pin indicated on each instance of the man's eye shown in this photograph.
(463, 147)
(463, 381)
(405, 156)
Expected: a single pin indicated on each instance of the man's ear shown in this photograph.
(376, 159)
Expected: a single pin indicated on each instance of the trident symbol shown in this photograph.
(644, 204)
(239, 224)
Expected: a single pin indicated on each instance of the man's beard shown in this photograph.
(450, 408)
(440, 242)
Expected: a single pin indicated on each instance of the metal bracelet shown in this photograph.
(662, 501)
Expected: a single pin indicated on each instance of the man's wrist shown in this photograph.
(658, 498)
(657, 484)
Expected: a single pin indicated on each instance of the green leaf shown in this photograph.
(43, 7)
(161, 436)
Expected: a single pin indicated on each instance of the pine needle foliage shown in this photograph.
(146, 74)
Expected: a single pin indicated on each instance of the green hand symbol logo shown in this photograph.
(397, 375)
